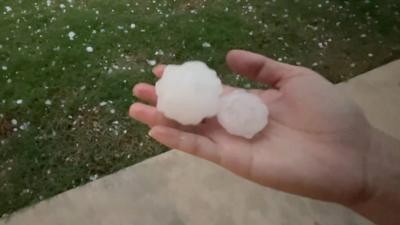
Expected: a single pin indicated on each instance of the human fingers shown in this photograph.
(145, 92)
(159, 70)
(150, 116)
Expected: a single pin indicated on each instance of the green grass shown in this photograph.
(86, 133)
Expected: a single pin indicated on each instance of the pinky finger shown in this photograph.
(188, 142)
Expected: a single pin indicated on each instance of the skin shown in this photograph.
(317, 144)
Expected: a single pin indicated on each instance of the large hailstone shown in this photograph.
(242, 114)
(188, 93)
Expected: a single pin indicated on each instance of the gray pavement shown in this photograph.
(378, 93)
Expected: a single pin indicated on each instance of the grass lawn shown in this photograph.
(67, 68)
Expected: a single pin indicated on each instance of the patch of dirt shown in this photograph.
(132, 60)
(5, 128)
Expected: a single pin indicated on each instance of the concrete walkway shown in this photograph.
(175, 188)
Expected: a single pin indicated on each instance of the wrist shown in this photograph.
(380, 198)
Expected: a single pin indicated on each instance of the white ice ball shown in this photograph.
(188, 93)
(242, 114)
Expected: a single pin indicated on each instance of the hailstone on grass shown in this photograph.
(188, 93)
(242, 114)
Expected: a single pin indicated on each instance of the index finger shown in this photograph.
(159, 70)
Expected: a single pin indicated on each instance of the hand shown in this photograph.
(315, 144)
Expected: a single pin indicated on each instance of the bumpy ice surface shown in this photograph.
(188, 93)
(242, 114)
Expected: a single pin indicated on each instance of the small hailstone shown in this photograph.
(4, 68)
(206, 45)
(93, 177)
(71, 35)
(19, 101)
(151, 62)
(24, 126)
(14, 122)
(47, 102)
(89, 49)
(8, 8)
(159, 52)
(242, 114)
(188, 93)
(133, 26)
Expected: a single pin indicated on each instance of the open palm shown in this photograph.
(314, 145)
